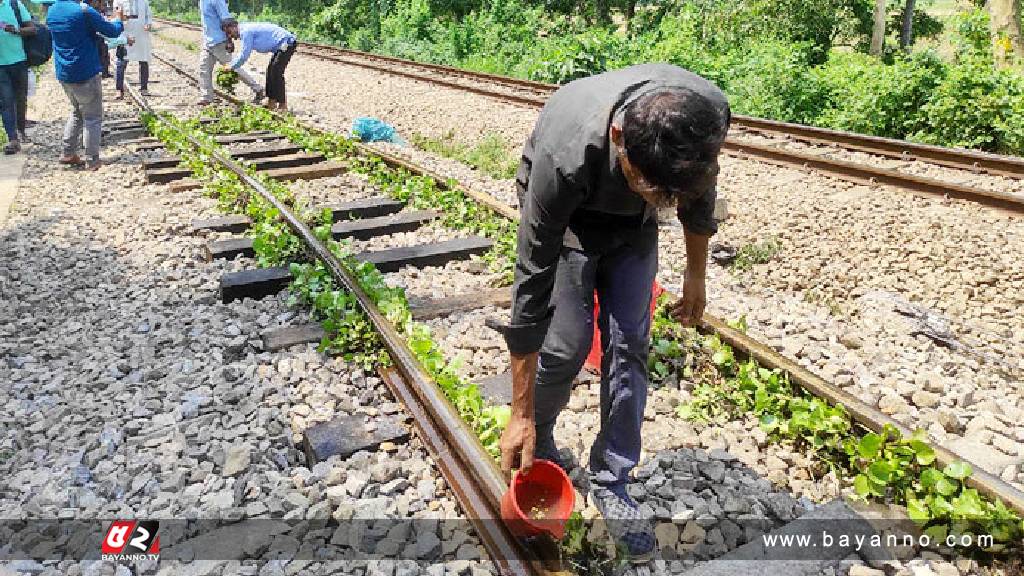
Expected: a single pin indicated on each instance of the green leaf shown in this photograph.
(958, 470)
(880, 472)
(945, 487)
(930, 477)
(937, 533)
(925, 454)
(862, 486)
(769, 422)
(968, 505)
(917, 510)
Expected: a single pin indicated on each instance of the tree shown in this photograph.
(907, 29)
(1007, 44)
(878, 30)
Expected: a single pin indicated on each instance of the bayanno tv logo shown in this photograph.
(132, 540)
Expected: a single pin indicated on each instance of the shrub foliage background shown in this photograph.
(794, 60)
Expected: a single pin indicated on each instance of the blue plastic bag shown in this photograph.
(368, 129)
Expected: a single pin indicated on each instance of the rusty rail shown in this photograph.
(466, 466)
(863, 414)
(961, 158)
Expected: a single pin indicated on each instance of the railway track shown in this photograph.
(469, 470)
(739, 144)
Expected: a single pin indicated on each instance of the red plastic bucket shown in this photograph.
(594, 358)
(538, 502)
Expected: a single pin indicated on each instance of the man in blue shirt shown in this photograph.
(74, 27)
(216, 48)
(13, 71)
(265, 37)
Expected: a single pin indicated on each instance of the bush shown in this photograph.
(561, 60)
(772, 57)
(773, 80)
(974, 107)
(866, 95)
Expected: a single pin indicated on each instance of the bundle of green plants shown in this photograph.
(227, 79)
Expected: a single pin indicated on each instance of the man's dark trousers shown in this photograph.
(622, 277)
(275, 87)
(13, 88)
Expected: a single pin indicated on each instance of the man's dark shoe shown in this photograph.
(12, 147)
(550, 452)
(625, 524)
(71, 161)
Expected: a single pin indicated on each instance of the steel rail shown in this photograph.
(853, 172)
(468, 468)
(865, 174)
(863, 414)
(366, 150)
(867, 416)
(961, 158)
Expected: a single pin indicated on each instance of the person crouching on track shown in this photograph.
(265, 37)
(217, 47)
(74, 27)
(606, 152)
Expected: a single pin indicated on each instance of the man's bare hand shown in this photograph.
(517, 444)
(689, 310)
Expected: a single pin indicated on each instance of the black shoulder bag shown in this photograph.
(39, 46)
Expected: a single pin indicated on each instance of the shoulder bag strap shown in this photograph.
(17, 13)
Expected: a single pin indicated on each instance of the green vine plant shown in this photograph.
(884, 467)
(900, 471)
(349, 333)
(422, 192)
(227, 79)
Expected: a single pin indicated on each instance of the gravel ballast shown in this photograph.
(130, 391)
(853, 260)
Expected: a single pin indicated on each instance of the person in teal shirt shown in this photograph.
(14, 71)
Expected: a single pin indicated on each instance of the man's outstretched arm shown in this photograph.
(690, 308)
(547, 207)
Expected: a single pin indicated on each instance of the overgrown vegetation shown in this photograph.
(760, 252)
(794, 60)
(420, 192)
(488, 155)
(348, 330)
(884, 466)
(226, 79)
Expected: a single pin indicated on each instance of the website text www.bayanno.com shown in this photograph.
(860, 542)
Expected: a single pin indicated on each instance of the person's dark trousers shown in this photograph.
(101, 47)
(622, 278)
(23, 102)
(122, 66)
(13, 84)
(275, 73)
